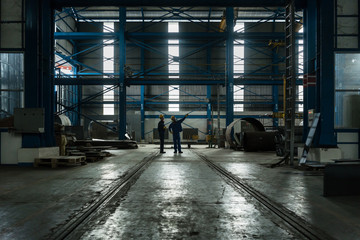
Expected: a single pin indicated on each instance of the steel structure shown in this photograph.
(38, 56)
(200, 76)
(35, 35)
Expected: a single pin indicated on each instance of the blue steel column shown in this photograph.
(32, 72)
(39, 87)
(46, 63)
(122, 87)
(142, 106)
(78, 90)
(310, 39)
(326, 103)
(275, 88)
(142, 112)
(229, 65)
(208, 94)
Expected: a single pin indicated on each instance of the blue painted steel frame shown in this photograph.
(165, 3)
(229, 59)
(208, 94)
(142, 92)
(326, 87)
(275, 88)
(122, 87)
(310, 55)
(229, 65)
(39, 84)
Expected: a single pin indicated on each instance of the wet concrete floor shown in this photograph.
(177, 197)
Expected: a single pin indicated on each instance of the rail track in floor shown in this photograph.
(298, 224)
(67, 230)
(70, 229)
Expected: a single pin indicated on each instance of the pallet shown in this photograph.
(60, 160)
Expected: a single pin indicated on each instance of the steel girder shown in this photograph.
(146, 81)
(164, 3)
(165, 35)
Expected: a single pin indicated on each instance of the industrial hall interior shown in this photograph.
(232, 119)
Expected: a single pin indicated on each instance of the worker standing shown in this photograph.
(175, 128)
(161, 129)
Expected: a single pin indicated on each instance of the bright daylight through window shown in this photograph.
(108, 67)
(238, 69)
(174, 68)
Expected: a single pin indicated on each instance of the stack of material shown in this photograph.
(119, 144)
(92, 154)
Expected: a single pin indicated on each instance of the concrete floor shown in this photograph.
(177, 197)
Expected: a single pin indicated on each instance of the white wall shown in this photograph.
(10, 144)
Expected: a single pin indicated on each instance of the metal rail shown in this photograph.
(299, 224)
(69, 228)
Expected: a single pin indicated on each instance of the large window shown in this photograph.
(11, 83)
(108, 67)
(347, 90)
(238, 69)
(174, 68)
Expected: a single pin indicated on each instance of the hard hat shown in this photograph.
(172, 117)
(161, 116)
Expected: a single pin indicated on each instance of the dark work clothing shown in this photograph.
(161, 129)
(177, 142)
(176, 128)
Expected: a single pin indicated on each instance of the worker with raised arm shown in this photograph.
(161, 129)
(175, 128)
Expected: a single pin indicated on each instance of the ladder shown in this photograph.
(290, 82)
(309, 139)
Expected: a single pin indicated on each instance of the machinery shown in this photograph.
(249, 134)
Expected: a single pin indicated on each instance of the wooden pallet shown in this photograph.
(60, 160)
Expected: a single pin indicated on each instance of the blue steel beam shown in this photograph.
(150, 23)
(173, 18)
(62, 19)
(89, 49)
(170, 102)
(75, 62)
(145, 81)
(221, 116)
(180, 58)
(165, 35)
(79, 103)
(167, 3)
(197, 21)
